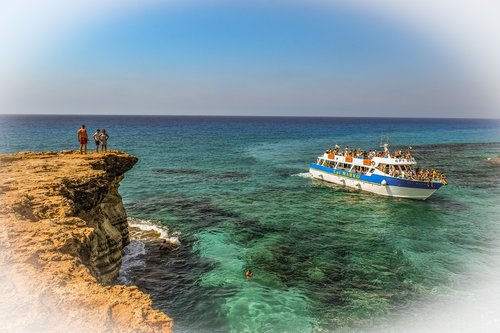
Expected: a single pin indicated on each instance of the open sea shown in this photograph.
(235, 193)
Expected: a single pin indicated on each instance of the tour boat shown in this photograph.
(379, 173)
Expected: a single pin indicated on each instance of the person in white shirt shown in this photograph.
(97, 139)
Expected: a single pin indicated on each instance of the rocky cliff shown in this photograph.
(63, 226)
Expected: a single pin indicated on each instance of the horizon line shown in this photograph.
(241, 116)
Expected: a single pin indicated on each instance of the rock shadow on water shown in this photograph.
(194, 214)
(178, 171)
(286, 172)
(200, 174)
(229, 176)
(448, 205)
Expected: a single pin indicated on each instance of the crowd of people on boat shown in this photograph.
(410, 173)
(419, 174)
(358, 153)
(429, 175)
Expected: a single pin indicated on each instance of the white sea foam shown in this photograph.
(150, 225)
(134, 254)
(303, 175)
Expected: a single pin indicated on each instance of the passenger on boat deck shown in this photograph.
(408, 153)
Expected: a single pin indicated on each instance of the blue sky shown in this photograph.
(246, 59)
(248, 39)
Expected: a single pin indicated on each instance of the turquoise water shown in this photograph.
(235, 192)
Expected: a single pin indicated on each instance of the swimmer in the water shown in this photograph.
(163, 245)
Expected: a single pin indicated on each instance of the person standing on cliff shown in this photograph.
(83, 139)
(97, 139)
(104, 140)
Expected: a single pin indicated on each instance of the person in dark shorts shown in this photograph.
(97, 141)
(83, 139)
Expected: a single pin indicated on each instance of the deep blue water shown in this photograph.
(235, 191)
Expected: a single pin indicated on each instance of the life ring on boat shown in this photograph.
(383, 182)
(373, 162)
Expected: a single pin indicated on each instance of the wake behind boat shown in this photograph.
(382, 173)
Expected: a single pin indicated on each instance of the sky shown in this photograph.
(237, 58)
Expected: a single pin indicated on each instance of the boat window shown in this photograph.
(320, 161)
(383, 167)
(408, 168)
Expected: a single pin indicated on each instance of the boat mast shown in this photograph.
(384, 140)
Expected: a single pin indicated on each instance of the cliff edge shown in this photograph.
(62, 230)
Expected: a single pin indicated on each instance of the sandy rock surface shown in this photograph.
(62, 229)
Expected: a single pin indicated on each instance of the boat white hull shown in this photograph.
(387, 190)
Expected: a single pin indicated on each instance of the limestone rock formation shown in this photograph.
(63, 225)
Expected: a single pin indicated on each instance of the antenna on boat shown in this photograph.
(384, 140)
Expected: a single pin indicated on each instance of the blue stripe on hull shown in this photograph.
(377, 179)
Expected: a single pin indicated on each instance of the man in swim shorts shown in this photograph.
(83, 138)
